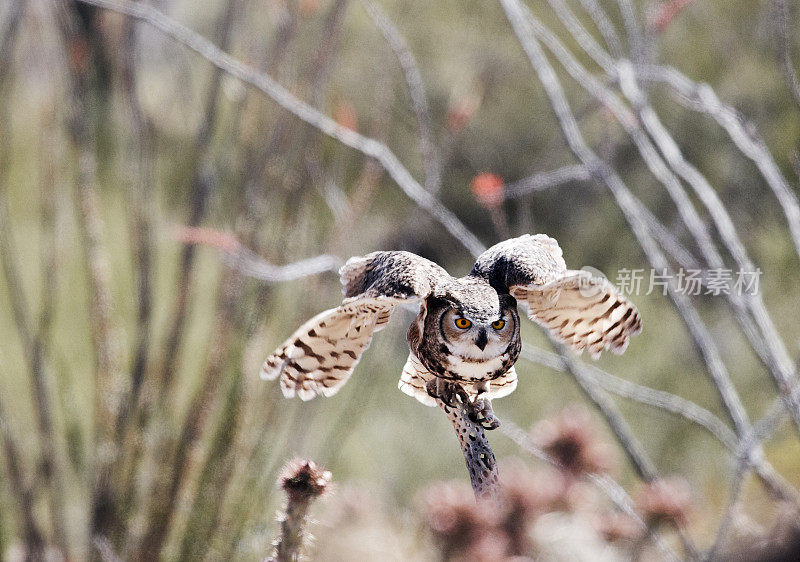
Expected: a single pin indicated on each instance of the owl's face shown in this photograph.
(479, 338)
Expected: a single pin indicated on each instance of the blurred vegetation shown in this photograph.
(209, 151)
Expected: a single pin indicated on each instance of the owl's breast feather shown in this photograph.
(476, 370)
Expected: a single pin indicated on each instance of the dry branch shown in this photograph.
(250, 264)
(604, 25)
(702, 98)
(546, 180)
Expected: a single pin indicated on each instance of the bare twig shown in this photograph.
(20, 490)
(604, 25)
(645, 395)
(632, 29)
(161, 502)
(528, 28)
(781, 365)
(576, 30)
(32, 336)
(701, 97)
(141, 201)
(736, 488)
(546, 180)
(249, 263)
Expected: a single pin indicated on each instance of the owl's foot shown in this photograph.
(447, 391)
(483, 414)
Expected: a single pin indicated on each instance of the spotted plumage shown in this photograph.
(467, 332)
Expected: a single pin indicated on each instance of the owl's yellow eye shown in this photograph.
(498, 324)
(463, 323)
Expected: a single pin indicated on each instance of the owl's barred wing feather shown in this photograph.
(321, 355)
(582, 311)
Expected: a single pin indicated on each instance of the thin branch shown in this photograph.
(781, 365)
(775, 359)
(671, 244)
(416, 88)
(579, 33)
(632, 29)
(702, 98)
(604, 25)
(657, 398)
(32, 336)
(628, 204)
(528, 28)
(545, 180)
(736, 488)
(20, 490)
(250, 264)
(303, 111)
(140, 222)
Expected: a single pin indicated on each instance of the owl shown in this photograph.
(466, 337)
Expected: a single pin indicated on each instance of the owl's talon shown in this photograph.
(482, 413)
(446, 391)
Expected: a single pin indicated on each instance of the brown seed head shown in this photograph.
(455, 519)
(304, 480)
(570, 437)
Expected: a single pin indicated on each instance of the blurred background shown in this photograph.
(148, 197)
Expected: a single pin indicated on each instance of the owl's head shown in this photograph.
(475, 322)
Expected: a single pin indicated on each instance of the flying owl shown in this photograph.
(466, 337)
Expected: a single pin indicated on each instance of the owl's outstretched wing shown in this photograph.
(321, 355)
(579, 309)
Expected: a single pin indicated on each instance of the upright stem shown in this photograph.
(481, 464)
(290, 544)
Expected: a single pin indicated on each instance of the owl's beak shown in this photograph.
(482, 339)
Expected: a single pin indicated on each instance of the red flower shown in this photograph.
(488, 189)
